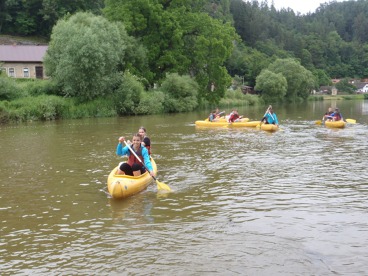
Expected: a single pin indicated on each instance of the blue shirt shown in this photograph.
(272, 118)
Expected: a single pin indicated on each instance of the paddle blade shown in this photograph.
(319, 122)
(162, 186)
(351, 121)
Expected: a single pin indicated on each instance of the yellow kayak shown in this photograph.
(122, 186)
(335, 124)
(221, 123)
(269, 127)
(252, 123)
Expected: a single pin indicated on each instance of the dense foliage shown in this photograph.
(37, 17)
(84, 48)
(331, 39)
(181, 38)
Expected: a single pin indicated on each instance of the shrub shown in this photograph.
(9, 90)
(151, 103)
(42, 107)
(180, 93)
(128, 95)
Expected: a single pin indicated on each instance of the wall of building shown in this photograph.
(20, 70)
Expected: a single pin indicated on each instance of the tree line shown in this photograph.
(122, 44)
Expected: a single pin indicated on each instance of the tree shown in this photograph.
(84, 54)
(300, 81)
(345, 86)
(208, 43)
(37, 17)
(272, 86)
(180, 39)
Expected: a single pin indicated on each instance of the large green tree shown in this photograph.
(300, 81)
(273, 86)
(84, 54)
(179, 39)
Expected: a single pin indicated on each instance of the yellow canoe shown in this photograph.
(123, 186)
(335, 124)
(221, 123)
(252, 123)
(269, 127)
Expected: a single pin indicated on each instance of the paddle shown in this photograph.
(319, 122)
(351, 121)
(268, 110)
(160, 185)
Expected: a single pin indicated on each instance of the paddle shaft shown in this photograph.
(160, 185)
(132, 151)
(267, 111)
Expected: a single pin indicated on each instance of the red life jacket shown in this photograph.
(132, 159)
(337, 117)
(233, 117)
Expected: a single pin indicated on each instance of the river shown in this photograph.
(244, 201)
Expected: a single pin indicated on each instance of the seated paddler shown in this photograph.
(137, 154)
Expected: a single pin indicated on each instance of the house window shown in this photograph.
(11, 72)
(26, 72)
(2, 70)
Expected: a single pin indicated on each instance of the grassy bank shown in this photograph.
(338, 97)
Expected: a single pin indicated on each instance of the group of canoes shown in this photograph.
(269, 121)
(244, 122)
(122, 186)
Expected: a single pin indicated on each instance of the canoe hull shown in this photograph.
(335, 124)
(221, 123)
(269, 127)
(123, 186)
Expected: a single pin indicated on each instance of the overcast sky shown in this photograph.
(302, 6)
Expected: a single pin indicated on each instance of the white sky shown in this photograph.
(302, 6)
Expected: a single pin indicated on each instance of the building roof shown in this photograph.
(22, 53)
(361, 85)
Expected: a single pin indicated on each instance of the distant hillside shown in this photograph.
(18, 40)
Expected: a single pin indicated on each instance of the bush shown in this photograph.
(237, 98)
(151, 103)
(36, 108)
(101, 107)
(4, 113)
(39, 87)
(180, 93)
(128, 95)
(9, 90)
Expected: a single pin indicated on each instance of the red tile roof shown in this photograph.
(22, 53)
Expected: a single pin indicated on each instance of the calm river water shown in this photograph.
(244, 201)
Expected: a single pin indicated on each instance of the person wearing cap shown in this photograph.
(337, 116)
(270, 117)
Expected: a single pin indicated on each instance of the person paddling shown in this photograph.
(337, 116)
(234, 116)
(133, 166)
(328, 115)
(270, 117)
